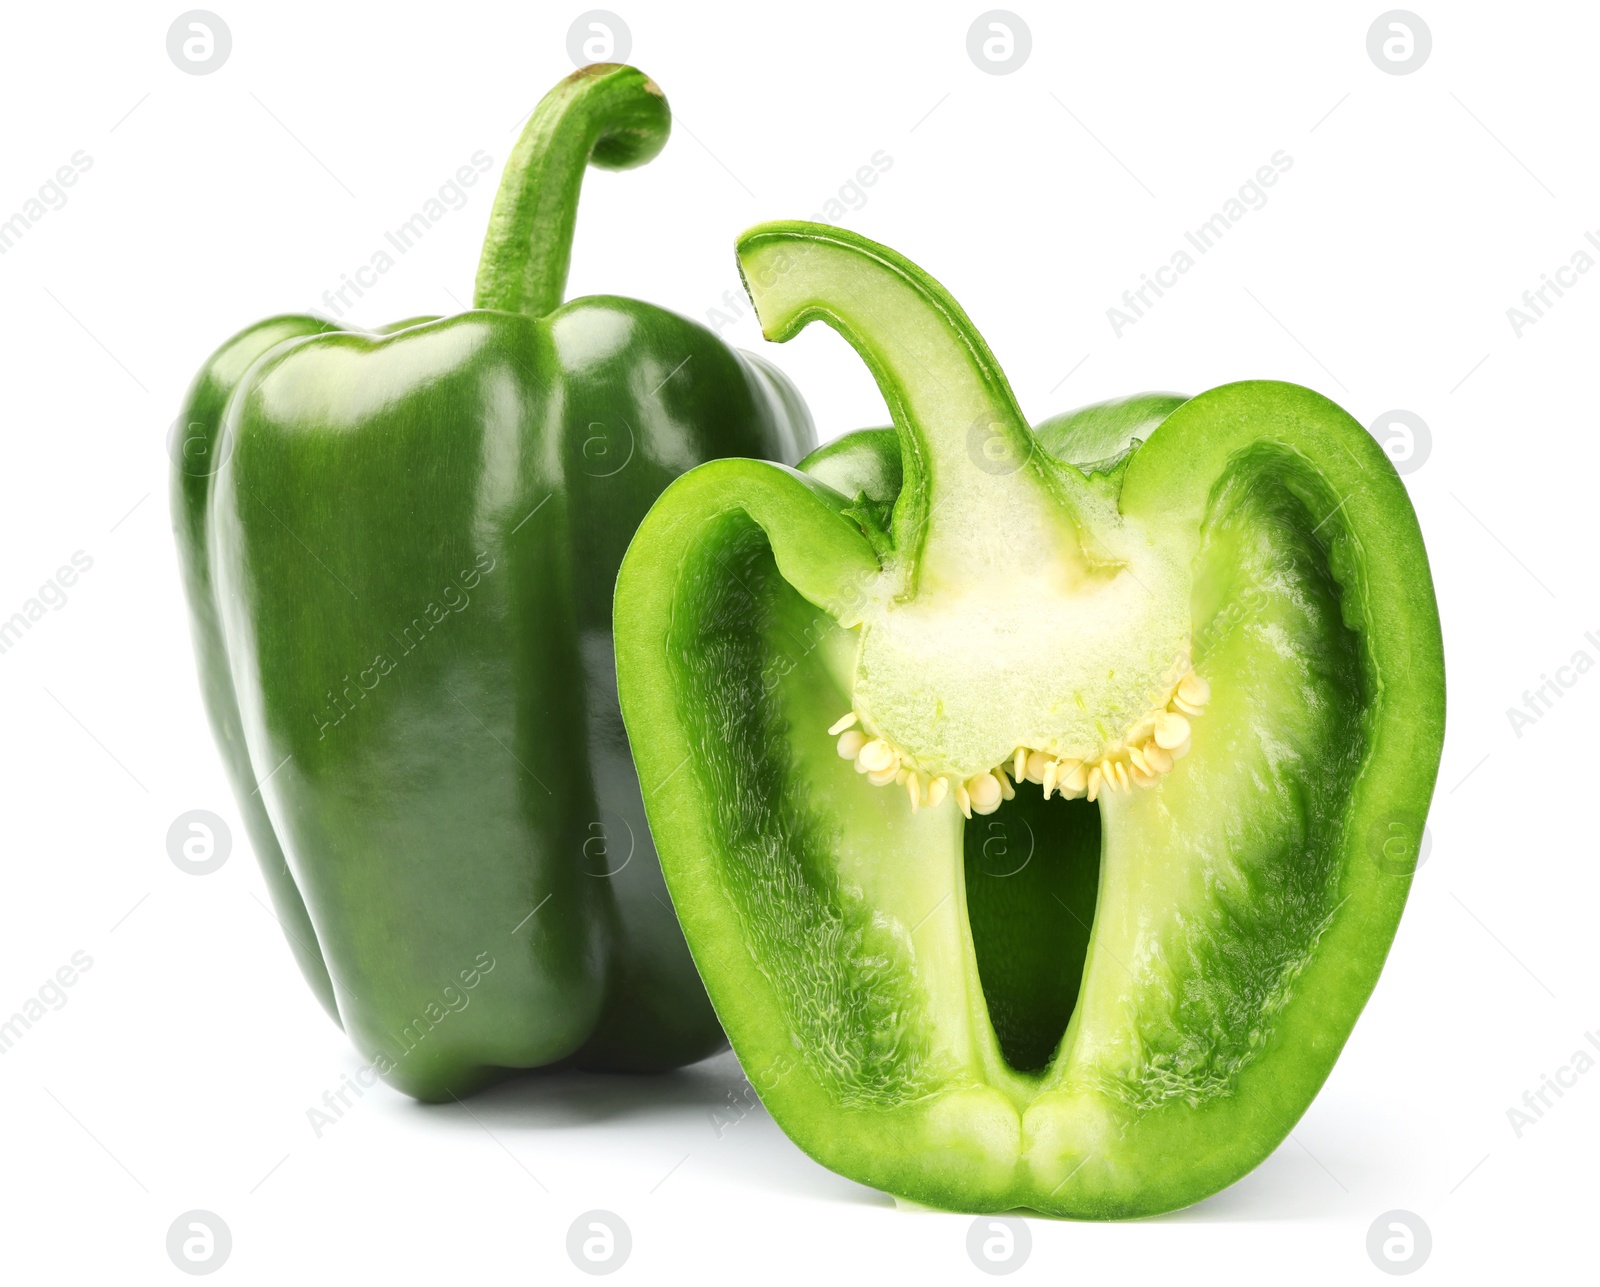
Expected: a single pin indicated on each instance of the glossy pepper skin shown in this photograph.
(399, 550)
(858, 693)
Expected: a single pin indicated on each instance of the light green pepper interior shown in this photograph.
(1106, 1005)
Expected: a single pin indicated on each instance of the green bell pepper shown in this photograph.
(1039, 805)
(399, 550)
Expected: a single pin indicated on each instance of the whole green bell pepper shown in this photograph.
(1039, 804)
(399, 550)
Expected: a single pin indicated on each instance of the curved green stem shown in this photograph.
(606, 114)
(975, 479)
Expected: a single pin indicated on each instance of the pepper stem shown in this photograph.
(606, 114)
(977, 487)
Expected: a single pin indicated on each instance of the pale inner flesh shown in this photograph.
(1080, 683)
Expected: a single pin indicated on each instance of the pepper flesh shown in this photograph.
(1096, 1010)
(399, 549)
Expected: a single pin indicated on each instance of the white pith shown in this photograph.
(1072, 674)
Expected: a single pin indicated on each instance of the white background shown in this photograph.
(1418, 209)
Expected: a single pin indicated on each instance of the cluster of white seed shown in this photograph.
(1150, 749)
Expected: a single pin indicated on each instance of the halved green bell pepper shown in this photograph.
(1039, 805)
(399, 550)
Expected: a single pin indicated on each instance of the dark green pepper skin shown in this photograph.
(399, 550)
